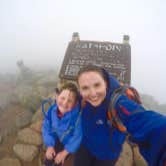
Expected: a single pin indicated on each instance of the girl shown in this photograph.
(61, 129)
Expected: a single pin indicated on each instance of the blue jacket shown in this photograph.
(101, 140)
(67, 129)
(147, 128)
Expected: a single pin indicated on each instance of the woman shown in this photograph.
(102, 142)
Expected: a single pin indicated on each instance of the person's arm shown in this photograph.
(49, 136)
(146, 128)
(136, 118)
(75, 140)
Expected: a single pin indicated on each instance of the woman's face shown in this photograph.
(92, 87)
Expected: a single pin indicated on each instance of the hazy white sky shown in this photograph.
(38, 31)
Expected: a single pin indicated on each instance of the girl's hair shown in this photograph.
(96, 69)
(68, 86)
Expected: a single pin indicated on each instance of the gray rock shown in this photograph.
(0, 139)
(10, 162)
(37, 126)
(5, 98)
(29, 136)
(43, 91)
(125, 158)
(22, 92)
(37, 116)
(25, 152)
(23, 119)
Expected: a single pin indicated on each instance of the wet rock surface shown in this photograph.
(10, 162)
(29, 136)
(25, 152)
(23, 119)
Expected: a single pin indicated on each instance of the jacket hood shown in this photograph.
(113, 83)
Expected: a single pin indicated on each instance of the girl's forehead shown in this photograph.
(67, 92)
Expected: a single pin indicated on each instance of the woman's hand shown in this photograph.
(60, 157)
(50, 153)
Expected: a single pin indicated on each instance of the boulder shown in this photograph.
(37, 126)
(125, 158)
(23, 119)
(37, 116)
(25, 152)
(139, 160)
(10, 162)
(0, 139)
(29, 136)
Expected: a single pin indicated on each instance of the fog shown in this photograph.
(38, 32)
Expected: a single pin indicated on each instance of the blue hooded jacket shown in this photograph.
(99, 137)
(67, 128)
(147, 128)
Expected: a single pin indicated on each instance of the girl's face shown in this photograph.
(66, 101)
(92, 87)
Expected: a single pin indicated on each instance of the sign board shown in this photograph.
(114, 57)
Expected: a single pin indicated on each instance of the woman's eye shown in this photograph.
(96, 85)
(84, 88)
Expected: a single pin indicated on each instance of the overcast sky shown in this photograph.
(38, 32)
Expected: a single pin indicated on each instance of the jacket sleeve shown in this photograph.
(145, 126)
(136, 118)
(49, 136)
(74, 142)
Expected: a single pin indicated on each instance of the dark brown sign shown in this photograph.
(114, 57)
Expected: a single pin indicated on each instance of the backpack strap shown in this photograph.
(44, 102)
(132, 94)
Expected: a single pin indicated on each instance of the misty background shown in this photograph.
(38, 32)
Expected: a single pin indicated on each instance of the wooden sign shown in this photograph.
(114, 57)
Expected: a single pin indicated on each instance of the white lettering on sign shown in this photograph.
(99, 46)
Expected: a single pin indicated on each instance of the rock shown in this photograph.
(37, 126)
(5, 96)
(43, 91)
(0, 139)
(28, 96)
(37, 116)
(10, 162)
(29, 136)
(139, 160)
(125, 158)
(23, 119)
(25, 152)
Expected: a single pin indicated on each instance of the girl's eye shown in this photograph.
(62, 98)
(70, 101)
